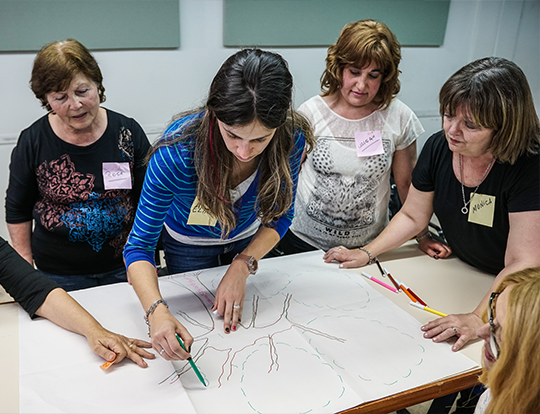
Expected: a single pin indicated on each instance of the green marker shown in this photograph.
(191, 362)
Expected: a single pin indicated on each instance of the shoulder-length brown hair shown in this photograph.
(56, 65)
(514, 379)
(496, 95)
(360, 44)
(251, 85)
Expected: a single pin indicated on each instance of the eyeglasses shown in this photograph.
(491, 313)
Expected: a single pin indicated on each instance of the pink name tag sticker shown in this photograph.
(116, 176)
(368, 143)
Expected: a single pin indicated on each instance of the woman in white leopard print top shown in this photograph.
(342, 195)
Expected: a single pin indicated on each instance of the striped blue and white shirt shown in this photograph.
(170, 188)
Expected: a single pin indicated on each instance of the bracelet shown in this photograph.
(151, 310)
(369, 255)
(423, 236)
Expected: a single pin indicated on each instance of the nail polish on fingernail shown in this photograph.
(227, 330)
(435, 257)
(234, 328)
(215, 312)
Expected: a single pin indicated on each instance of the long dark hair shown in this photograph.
(251, 85)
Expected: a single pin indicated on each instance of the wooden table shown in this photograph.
(448, 285)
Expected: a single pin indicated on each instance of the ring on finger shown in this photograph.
(455, 330)
(161, 352)
(131, 345)
(236, 306)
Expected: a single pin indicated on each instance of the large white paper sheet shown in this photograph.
(313, 338)
(58, 373)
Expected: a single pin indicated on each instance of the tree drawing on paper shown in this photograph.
(298, 337)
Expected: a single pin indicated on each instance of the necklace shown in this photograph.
(464, 209)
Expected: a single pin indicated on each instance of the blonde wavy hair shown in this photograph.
(514, 379)
(359, 44)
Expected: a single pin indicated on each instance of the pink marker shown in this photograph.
(393, 289)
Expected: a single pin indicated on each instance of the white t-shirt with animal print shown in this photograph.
(342, 199)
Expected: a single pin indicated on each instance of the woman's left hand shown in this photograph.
(230, 295)
(434, 248)
(464, 326)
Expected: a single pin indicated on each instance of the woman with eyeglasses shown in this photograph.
(511, 358)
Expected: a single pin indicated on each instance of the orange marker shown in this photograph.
(105, 366)
(407, 293)
(415, 295)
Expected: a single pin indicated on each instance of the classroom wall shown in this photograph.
(152, 85)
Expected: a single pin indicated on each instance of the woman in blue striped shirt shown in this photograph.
(221, 184)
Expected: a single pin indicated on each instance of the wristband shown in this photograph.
(151, 310)
(423, 236)
(369, 255)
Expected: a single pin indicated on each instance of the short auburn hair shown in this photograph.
(359, 44)
(56, 65)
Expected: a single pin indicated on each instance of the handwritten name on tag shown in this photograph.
(199, 217)
(116, 176)
(368, 143)
(482, 209)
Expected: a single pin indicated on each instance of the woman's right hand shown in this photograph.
(346, 258)
(163, 330)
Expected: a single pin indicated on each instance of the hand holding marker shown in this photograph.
(190, 360)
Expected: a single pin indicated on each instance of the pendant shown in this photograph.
(464, 210)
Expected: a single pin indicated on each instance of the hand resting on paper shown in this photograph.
(463, 325)
(41, 296)
(347, 258)
(114, 347)
(59, 307)
(230, 295)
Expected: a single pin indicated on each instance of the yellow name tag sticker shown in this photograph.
(199, 217)
(482, 209)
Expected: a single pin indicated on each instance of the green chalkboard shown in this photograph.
(289, 23)
(27, 25)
